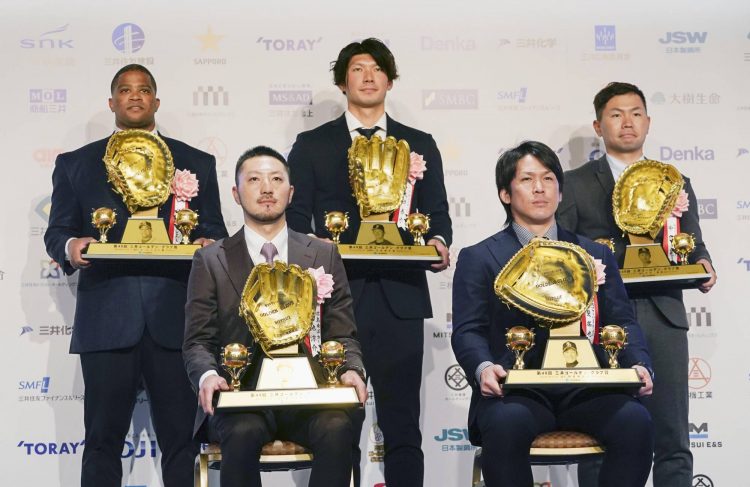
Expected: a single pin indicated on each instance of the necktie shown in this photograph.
(368, 132)
(269, 252)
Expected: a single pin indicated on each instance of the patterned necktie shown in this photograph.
(269, 252)
(368, 132)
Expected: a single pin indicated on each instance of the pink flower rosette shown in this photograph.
(184, 185)
(417, 167)
(324, 283)
(682, 204)
(601, 276)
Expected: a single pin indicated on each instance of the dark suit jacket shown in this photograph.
(320, 176)
(117, 300)
(481, 319)
(212, 318)
(586, 208)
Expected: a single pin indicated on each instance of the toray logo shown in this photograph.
(128, 38)
(684, 38)
(141, 449)
(288, 44)
(41, 385)
(45, 40)
(453, 434)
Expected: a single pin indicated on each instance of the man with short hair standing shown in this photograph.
(129, 320)
(586, 208)
(390, 305)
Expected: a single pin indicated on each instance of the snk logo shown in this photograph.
(684, 37)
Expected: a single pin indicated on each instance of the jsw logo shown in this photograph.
(684, 37)
(453, 434)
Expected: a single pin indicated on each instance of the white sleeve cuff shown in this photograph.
(480, 368)
(67, 249)
(205, 375)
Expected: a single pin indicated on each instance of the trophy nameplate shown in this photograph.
(642, 200)
(378, 176)
(555, 282)
(140, 169)
(278, 304)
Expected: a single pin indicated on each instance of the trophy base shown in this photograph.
(343, 397)
(137, 251)
(672, 276)
(594, 377)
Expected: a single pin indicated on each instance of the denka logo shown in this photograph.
(453, 434)
(452, 44)
(128, 38)
(708, 209)
(288, 44)
(605, 38)
(47, 40)
(684, 38)
(688, 154)
(290, 97)
(698, 431)
(450, 99)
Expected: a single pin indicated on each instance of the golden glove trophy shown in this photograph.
(278, 304)
(140, 168)
(642, 202)
(378, 175)
(554, 282)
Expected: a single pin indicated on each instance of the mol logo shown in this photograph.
(698, 431)
(680, 37)
(128, 38)
(48, 40)
(605, 38)
(450, 99)
(452, 434)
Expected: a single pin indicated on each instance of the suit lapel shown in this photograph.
(506, 244)
(604, 176)
(340, 136)
(300, 252)
(236, 260)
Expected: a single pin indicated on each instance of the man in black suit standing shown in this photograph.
(586, 208)
(389, 305)
(129, 320)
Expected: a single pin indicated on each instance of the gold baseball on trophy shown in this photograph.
(332, 357)
(235, 358)
(683, 244)
(185, 220)
(103, 219)
(336, 223)
(609, 242)
(613, 339)
(418, 224)
(520, 340)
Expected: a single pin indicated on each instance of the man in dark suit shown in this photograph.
(586, 208)
(216, 282)
(529, 180)
(390, 305)
(129, 319)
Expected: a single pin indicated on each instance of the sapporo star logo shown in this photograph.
(209, 40)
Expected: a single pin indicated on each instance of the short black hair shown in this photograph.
(505, 170)
(258, 150)
(372, 46)
(613, 89)
(131, 67)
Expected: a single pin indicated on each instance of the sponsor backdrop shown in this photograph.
(480, 76)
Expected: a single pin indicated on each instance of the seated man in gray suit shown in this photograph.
(213, 321)
(586, 208)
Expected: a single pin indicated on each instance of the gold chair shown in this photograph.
(275, 456)
(551, 448)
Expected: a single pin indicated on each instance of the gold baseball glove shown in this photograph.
(278, 304)
(378, 171)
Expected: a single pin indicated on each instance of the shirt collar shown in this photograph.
(617, 166)
(525, 235)
(352, 123)
(255, 242)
